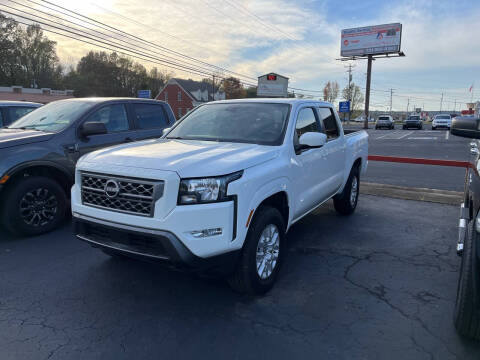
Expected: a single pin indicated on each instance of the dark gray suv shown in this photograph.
(413, 121)
(39, 151)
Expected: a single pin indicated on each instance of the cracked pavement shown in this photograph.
(379, 284)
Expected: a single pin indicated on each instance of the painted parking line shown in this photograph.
(423, 138)
(407, 134)
(447, 135)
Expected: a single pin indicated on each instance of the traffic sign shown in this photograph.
(144, 94)
(344, 106)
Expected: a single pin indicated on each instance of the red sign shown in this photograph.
(272, 77)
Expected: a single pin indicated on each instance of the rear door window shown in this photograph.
(149, 116)
(327, 118)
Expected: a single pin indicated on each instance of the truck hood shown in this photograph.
(14, 137)
(188, 158)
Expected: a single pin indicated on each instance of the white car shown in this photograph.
(442, 121)
(220, 190)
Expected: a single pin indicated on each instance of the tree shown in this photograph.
(354, 94)
(330, 91)
(233, 88)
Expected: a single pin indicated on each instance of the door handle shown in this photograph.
(128, 139)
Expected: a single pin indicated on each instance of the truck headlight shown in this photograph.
(205, 190)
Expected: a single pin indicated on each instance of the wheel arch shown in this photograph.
(41, 168)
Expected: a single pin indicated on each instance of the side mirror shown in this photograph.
(165, 131)
(93, 128)
(311, 140)
(466, 126)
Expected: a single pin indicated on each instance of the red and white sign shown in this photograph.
(371, 40)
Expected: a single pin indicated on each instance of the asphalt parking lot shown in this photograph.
(438, 144)
(379, 284)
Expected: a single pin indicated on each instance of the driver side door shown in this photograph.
(310, 166)
(119, 130)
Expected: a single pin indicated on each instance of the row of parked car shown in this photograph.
(414, 121)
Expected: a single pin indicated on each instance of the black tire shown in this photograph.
(344, 203)
(245, 278)
(33, 205)
(404, 127)
(433, 127)
(466, 317)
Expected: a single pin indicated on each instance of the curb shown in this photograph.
(410, 193)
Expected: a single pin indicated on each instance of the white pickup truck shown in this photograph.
(221, 188)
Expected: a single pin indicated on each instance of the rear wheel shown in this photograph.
(262, 253)
(346, 202)
(33, 205)
(466, 318)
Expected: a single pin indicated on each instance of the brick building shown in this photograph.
(183, 95)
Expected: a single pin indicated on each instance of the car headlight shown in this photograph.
(205, 190)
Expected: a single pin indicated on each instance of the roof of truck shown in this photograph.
(291, 101)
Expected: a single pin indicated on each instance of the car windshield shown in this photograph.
(383, 118)
(414, 118)
(53, 117)
(447, 117)
(255, 123)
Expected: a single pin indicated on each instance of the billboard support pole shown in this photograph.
(367, 91)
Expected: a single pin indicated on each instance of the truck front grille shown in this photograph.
(121, 194)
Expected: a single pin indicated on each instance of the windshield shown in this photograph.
(53, 117)
(383, 118)
(447, 117)
(414, 118)
(256, 123)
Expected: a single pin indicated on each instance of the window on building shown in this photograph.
(327, 118)
(113, 116)
(149, 116)
(179, 113)
(179, 96)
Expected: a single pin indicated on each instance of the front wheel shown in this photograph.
(466, 318)
(262, 253)
(346, 202)
(33, 205)
(433, 128)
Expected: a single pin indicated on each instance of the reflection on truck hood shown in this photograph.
(14, 137)
(188, 158)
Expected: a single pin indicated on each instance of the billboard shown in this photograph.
(272, 85)
(371, 40)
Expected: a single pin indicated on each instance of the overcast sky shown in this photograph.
(301, 40)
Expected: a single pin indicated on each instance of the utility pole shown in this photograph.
(349, 71)
(455, 106)
(408, 104)
(441, 103)
(213, 87)
(391, 101)
(367, 91)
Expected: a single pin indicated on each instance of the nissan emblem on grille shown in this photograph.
(121, 194)
(111, 188)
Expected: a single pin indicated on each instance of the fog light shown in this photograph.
(206, 232)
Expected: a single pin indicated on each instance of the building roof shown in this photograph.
(38, 98)
(192, 86)
(272, 73)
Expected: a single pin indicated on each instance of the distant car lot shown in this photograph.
(350, 290)
(420, 144)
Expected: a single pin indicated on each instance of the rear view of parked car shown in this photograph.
(11, 111)
(386, 122)
(39, 151)
(442, 121)
(413, 121)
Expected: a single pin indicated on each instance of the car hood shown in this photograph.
(188, 158)
(14, 137)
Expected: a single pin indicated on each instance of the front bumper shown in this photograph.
(441, 125)
(148, 244)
